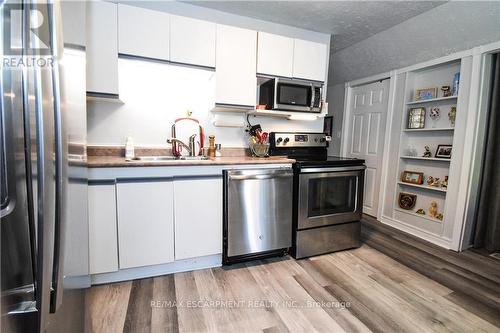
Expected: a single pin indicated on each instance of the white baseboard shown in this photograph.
(439, 241)
(158, 270)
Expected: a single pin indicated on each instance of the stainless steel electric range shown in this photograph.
(328, 194)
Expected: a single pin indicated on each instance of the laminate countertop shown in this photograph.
(117, 161)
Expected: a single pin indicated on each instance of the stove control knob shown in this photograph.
(279, 140)
(316, 140)
(322, 140)
(286, 140)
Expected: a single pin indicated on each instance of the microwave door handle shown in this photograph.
(313, 96)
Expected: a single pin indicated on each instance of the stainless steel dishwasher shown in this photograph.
(257, 214)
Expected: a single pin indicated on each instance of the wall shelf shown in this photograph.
(432, 100)
(426, 158)
(428, 129)
(425, 187)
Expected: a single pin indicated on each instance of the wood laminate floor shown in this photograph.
(393, 283)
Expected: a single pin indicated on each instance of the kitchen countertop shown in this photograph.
(117, 161)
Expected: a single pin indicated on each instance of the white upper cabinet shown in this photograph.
(192, 41)
(102, 47)
(274, 55)
(309, 60)
(145, 223)
(73, 22)
(198, 231)
(235, 66)
(143, 32)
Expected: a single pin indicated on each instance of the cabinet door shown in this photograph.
(198, 217)
(192, 41)
(143, 32)
(145, 223)
(235, 66)
(274, 55)
(103, 249)
(102, 47)
(309, 60)
(73, 22)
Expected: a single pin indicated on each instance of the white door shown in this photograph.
(365, 136)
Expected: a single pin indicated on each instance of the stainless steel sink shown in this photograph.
(193, 158)
(169, 158)
(154, 158)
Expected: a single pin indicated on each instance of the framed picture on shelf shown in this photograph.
(407, 200)
(425, 94)
(443, 151)
(416, 118)
(412, 177)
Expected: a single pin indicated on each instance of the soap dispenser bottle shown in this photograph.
(129, 149)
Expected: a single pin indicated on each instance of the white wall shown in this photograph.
(449, 28)
(446, 29)
(335, 100)
(154, 94)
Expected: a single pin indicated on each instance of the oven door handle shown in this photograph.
(335, 169)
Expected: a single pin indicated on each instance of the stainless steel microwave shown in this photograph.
(291, 95)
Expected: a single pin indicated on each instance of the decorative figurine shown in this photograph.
(435, 183)
(433, 209)
(446, 91)
(430, 180)
(427, 152)
(444, 183)
(420, 211)
(452, 115)
(434, 114)
(439, 216)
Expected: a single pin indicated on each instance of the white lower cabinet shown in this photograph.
(145, 223)
(103, 250)
(198, 217)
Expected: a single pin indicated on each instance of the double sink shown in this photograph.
(169, 158)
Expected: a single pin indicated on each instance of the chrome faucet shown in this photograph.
(191, 148)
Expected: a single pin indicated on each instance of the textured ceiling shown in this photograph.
(349, 21)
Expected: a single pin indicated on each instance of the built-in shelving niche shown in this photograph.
(408, 156)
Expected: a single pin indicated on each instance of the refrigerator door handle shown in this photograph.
(57, 270)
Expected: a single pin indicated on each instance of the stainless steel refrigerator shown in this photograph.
(44, 231)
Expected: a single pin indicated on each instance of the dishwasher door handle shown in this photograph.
(261, 176)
